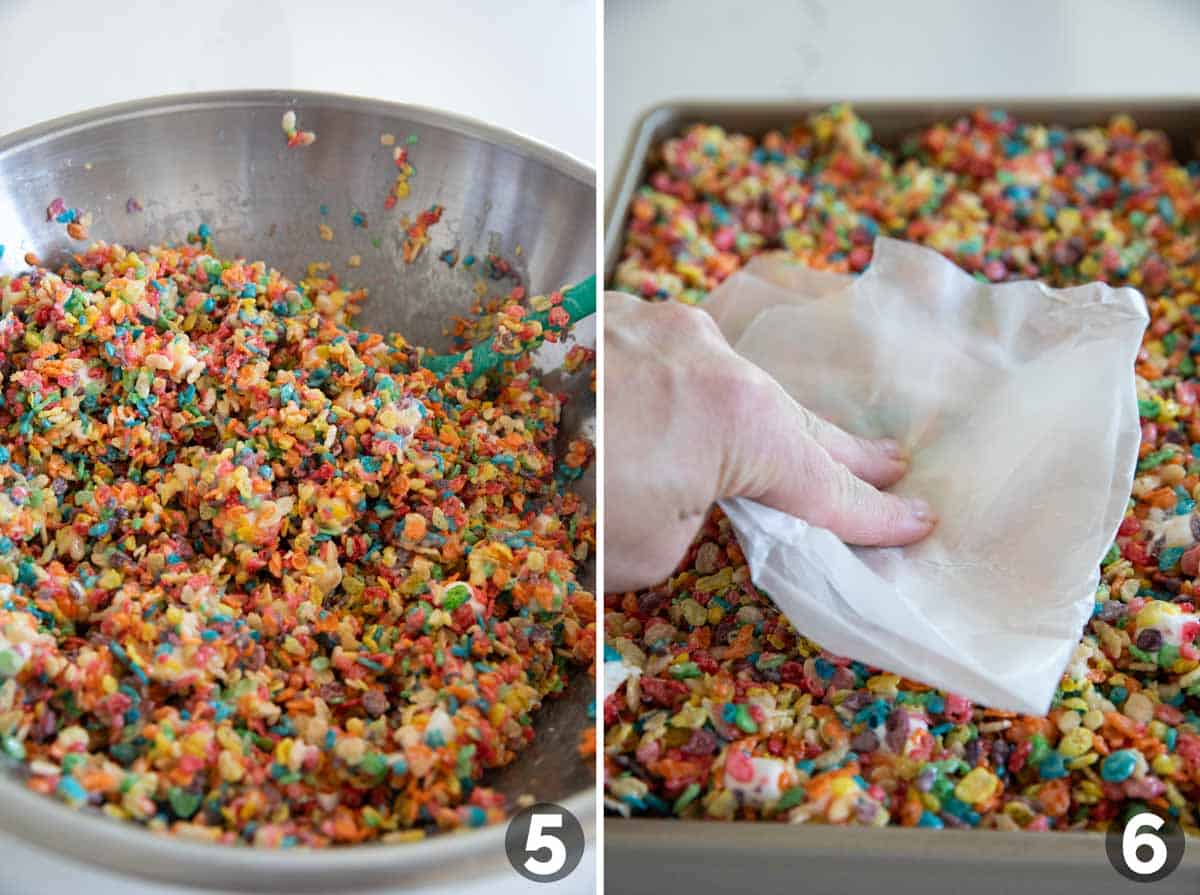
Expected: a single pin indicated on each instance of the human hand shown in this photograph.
(687, 421)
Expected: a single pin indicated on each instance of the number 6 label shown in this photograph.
(1146, 849)
(544, 842)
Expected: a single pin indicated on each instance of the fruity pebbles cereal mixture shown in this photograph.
(725, 710)
(264, 578)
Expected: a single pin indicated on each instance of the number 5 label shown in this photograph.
(537, 840)
(544, 842)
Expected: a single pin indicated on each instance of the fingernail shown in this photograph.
(892, 448)
(920, 510)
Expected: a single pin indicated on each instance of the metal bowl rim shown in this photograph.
(465, 125)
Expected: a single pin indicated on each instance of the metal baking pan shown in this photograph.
(1178, 117)
(653, 856)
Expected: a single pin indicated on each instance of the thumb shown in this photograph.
(784, 467)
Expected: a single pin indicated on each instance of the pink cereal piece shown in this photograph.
(1168, 714)
(648, 752)
(958, 708)
(1144, 787)
(995, 270)
(739, 766)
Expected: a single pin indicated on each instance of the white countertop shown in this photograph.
(854, 49)
(27, 870)
(529, 67)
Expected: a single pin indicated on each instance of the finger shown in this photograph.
(780, 463)
(880, 462)
(825, 493)
(638, 557)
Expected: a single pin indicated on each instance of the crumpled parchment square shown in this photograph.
(1017, 405)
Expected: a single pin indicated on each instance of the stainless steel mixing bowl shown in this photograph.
(221, 159)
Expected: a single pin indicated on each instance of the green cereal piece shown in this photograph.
(1140, 654)
(1154, 460)
(791, 798)
(10, 663)
(183, 802)
(743, 720)
(684, 670)
(686, 797)
(1040, 749)
(374, 764)
(12, 747)
(455, 595)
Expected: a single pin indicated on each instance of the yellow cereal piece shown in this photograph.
(844, 786)
(1077, 742)
(977, 786)
(883, 683)
(230, 767)
(1156, 611)
(1166, 765)
(1068, 221)
(1020, 812)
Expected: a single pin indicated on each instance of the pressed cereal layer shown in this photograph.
(730, 712)
(264, 578)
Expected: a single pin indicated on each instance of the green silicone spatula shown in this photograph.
(578, 301)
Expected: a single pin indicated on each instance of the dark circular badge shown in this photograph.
(544, 842)
(1146, 848)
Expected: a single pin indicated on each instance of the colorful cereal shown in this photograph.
(721, 681)
(76, 221)
(263, 578)
(295, 137)
(416, 233)
(400, 189)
